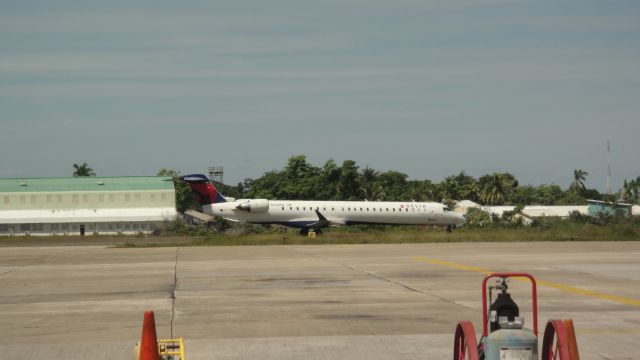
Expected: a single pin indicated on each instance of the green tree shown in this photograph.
(577, 185)
(449, 189)
(476, 217)
(495, 188)
(300, 179)
(394, 185)
(184, 198)
(326, 184)
(82, 170)
(549, 194)
(630, 192)
(370, 187)
(349, 185)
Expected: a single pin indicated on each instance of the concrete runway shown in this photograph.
(306, 302)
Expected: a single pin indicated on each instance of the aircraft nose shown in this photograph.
(459, 219)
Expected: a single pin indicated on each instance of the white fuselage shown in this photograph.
(310, 214)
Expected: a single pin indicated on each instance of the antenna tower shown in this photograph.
(216, 173)
(609, 168)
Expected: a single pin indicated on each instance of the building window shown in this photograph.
(127, 197)
(101, 198)
(58, 199)
(23, 199)
(163, 197)
(153, 197)
(7, 200)
(85, 198)
(112, 198)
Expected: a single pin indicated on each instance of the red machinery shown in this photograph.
(503, 334)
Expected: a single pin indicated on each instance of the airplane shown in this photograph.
(311, 215)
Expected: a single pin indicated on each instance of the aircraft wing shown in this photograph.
(324, 222)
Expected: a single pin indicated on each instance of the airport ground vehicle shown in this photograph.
(504, 336)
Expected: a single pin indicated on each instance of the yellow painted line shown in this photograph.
(453, 265)
(570, 289)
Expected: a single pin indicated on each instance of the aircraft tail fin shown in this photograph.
(203, 190)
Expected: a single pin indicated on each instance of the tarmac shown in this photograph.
(399, 301)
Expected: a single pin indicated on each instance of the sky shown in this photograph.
(425, 87)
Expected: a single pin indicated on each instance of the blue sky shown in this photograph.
(428, 88)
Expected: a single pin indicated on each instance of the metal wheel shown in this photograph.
(555, 345)
(465, 345)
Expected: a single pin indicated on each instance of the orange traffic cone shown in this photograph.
(149, 342)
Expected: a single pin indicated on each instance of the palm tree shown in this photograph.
(577, 186)
(494, 190)
(82, 170)
(630, 191)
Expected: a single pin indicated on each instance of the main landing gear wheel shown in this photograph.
(464, 345)
(559, 341)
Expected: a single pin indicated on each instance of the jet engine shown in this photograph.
(253, 205)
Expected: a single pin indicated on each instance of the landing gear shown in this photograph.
(450, 228)
(311, 233)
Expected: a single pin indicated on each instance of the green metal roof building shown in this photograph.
(100, 205)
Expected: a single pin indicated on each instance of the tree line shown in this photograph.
(300, 180)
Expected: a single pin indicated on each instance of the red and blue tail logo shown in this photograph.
(204, 191)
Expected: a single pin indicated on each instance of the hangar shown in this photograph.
(91, 205)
